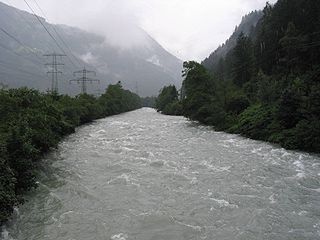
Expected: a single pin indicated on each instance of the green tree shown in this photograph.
(167, 96)
(243, 60)
(32, 123)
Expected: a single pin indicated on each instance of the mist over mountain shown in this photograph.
(246, 26)
(142, 65)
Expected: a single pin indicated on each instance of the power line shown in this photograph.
(31, 25)
(84, 79)
(61, 39)
(9, 65)
(9, 35)
(16, 76)
(19, 42)
(15, 53)
(54, 70)
(19, 73)
(59, 35)
(46, 29)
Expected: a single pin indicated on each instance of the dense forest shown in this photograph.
(168, 101)
(267, 86)
(32, 123)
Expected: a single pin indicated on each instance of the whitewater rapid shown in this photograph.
(143, 175)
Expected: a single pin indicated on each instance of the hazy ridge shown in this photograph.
(144, 68)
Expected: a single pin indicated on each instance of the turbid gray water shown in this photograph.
(142, 175)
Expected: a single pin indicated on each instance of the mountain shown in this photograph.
(143, 68)
(267, 87)
(248, 23)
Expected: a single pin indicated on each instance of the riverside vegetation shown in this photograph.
(267, 87)
(32, 123)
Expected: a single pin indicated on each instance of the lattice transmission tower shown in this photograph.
(83, 80)
(54, 70)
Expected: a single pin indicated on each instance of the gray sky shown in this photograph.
(189, 29)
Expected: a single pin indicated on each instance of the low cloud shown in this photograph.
(189, 29)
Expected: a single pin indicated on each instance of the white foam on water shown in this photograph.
(301, 175)
(256, 150)
(232, 140)
(127, 149)
(120, 236)
(194, 227)
(317, 227)
(317, 190)
(16, 211)
(124, 178)
(225, 145)
(299, 168)
(221, 184)
(194, 180)
(66, 213)
(101, 131)
(224, 203)
(216, 168)
(299, 164)
(302, 213)
(285, 154)
(272, 200)
(5, 234)
(117, 123)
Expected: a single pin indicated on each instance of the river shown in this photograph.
(145, 176)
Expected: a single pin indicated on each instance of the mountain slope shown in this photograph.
(246, 26)
(144, 68)
(267, 87)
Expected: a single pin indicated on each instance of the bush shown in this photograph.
(254, 122)
(174, 108)
(32, 123)
(305, 136)
(237, 104)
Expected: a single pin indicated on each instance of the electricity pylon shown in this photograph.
(84, 79)
(54, 70)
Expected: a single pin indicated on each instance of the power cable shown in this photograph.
(9, 65)
(31, 25)
(19, 55)
(59, 35)
(46, 29)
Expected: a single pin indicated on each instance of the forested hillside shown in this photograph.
(267, 86)
(247, 27)
(32, 123)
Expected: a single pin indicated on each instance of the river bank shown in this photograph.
(143, 175)
(33, 123)
(288, 120)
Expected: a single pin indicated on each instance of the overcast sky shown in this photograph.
(189, 29)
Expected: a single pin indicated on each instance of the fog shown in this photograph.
(189, 29)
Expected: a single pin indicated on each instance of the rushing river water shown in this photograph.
(146, 176)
